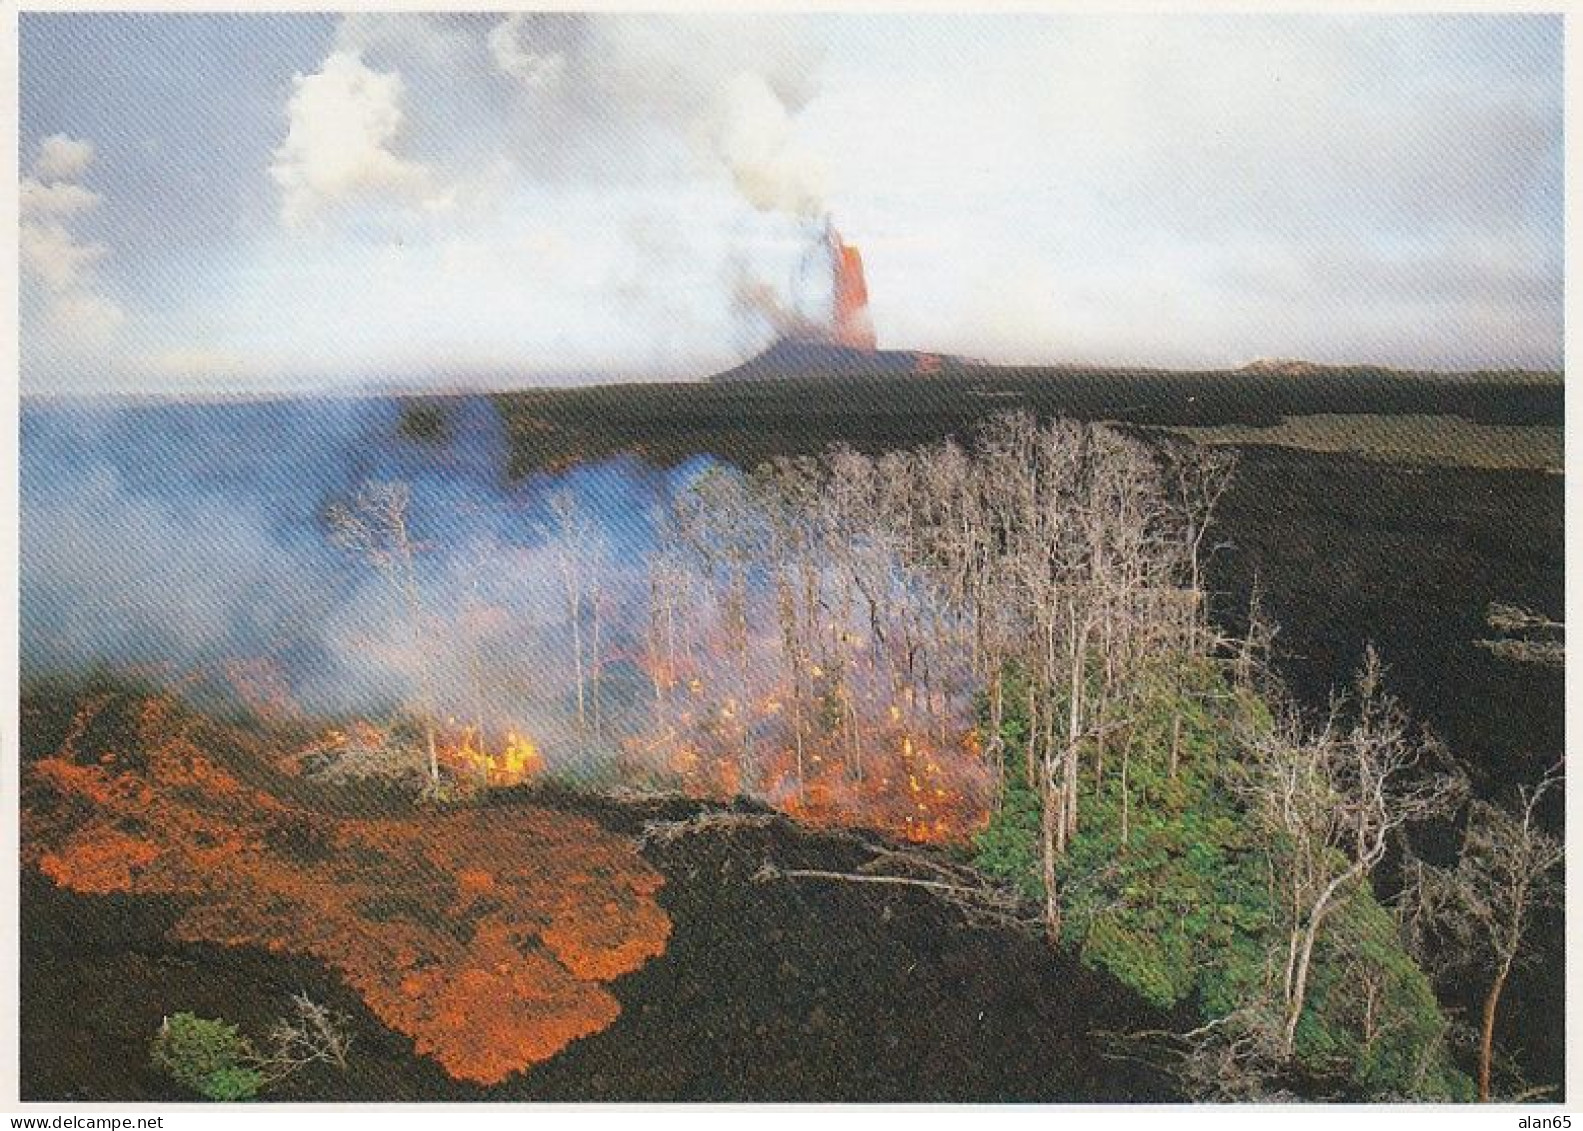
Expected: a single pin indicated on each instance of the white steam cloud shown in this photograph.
(344, 120)
(756, 140)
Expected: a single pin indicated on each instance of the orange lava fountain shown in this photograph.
(853, 327)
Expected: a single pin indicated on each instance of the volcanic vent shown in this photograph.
(826, 330)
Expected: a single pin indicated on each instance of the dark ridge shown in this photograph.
(792, 359)
(747, 420)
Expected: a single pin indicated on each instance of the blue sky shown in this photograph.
(295, 201)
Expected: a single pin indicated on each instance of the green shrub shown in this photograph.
(1171, 908)
(209, 1057)
(1180, 908)
(229, 1085)
(1371, 1007)
(1008, 848)
(1139, 960)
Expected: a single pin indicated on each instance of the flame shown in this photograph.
(836, 745)
(521, 758)
(905, 783)
(921, 800)
(471, 758)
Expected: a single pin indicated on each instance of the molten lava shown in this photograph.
(484, 934)
(852, 327)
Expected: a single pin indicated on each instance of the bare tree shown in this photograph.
(1478, 912)
(374, 526)
(1232, 1059)
(1199, 475)
(1329, 800)
(1251, 652)
(312, 1033)
(720, 528)
(571, 533)
(906, 585)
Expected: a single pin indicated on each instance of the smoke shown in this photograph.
(713, 91)
(341, 563)
(173, 542)
(758, 300)
(755, 140)
(560, 183)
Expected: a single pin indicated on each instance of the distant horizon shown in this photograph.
(507, 384)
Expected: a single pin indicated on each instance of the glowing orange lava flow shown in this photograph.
(908, 792)
(484, 934)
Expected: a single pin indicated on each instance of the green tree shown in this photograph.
(208, 1056)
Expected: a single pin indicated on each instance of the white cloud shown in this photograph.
(84, 319)
(65, 314)
(60, 198)
(61, 158)
(343, 121)
(57, 259)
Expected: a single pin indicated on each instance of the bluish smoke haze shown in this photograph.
(188, 543)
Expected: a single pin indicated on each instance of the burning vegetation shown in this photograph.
(834, 635)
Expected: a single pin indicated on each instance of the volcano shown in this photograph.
(837, 342)
(801, 359)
